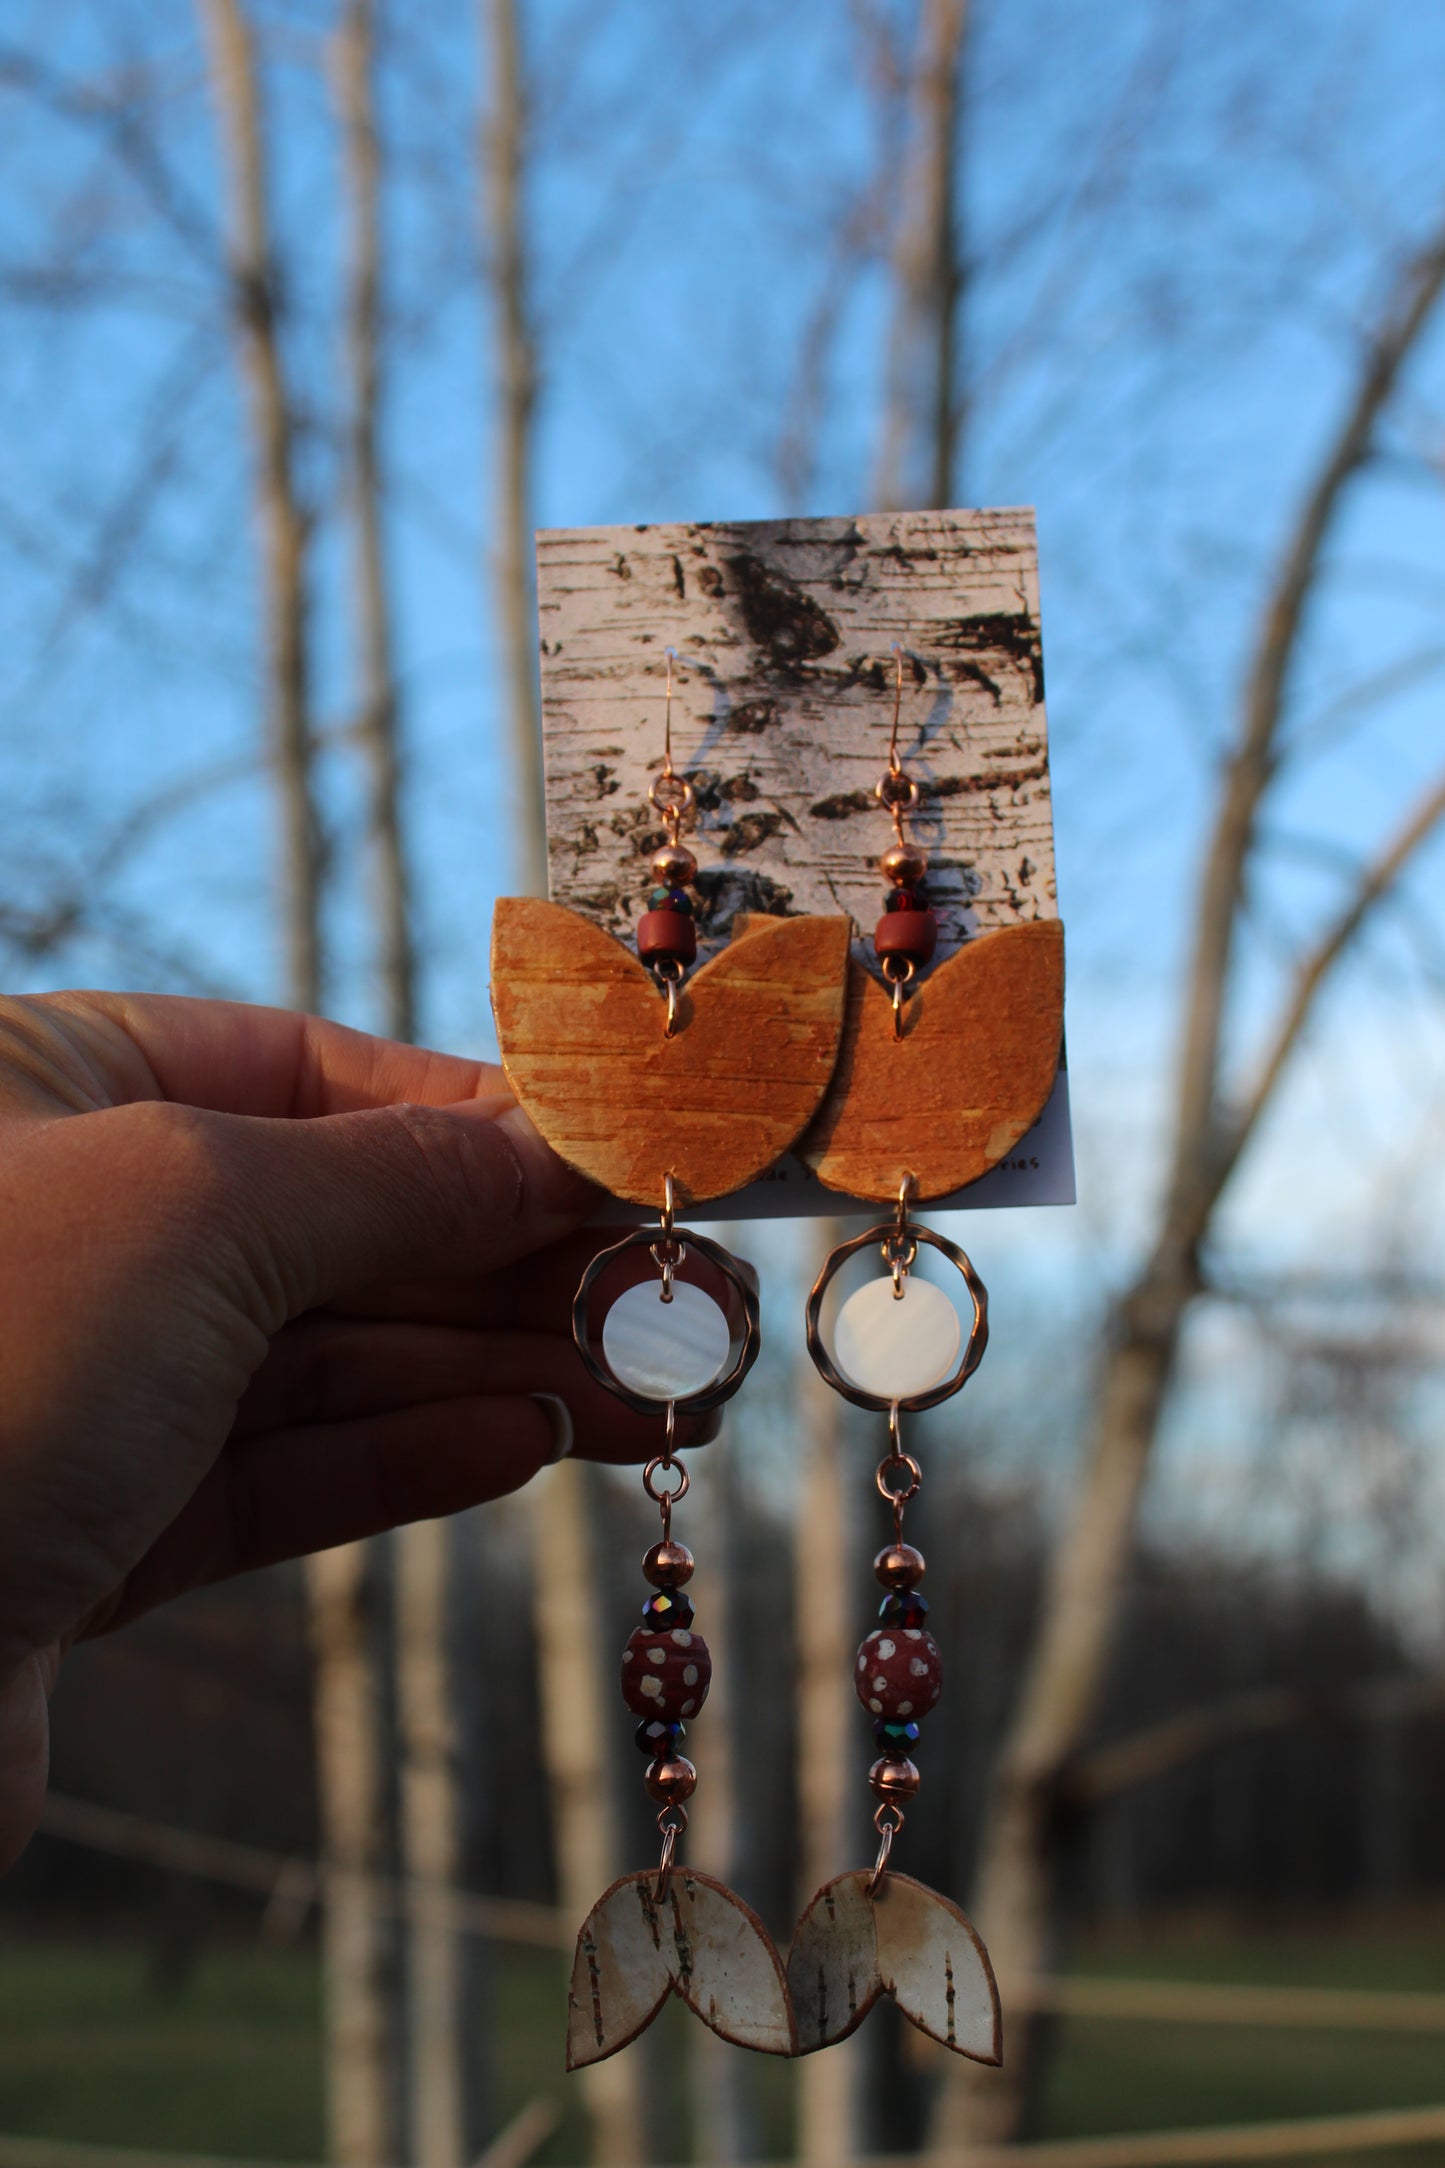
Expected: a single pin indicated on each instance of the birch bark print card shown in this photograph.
(807, 659)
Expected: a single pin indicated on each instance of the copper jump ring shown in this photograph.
(667, 970)
(672, 1822)
(887, 1831)
(898, 977)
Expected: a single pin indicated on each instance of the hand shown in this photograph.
(267, 1285)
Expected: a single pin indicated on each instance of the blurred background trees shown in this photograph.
(312, 308)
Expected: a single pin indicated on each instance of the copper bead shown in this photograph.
(674, 866)
(893, 1781)
(898, 1565)
(672, 1781)
(903, 865)
(668, 1565)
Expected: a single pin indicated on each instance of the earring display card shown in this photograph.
(784, 636)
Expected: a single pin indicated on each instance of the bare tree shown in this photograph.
(344, 1585)
(829, 2086)
(575, 1689)
(1214, 1122)
(923, 415)
(504, 153)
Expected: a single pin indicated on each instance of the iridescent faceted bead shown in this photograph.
(906, 899)
(895, 1739)
(669, 1607)
(655, 1736)
(904, 1607)
(670, 899)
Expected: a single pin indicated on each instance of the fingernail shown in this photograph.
(559, 1415)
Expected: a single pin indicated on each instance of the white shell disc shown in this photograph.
(665, 1350)
(897, 1346)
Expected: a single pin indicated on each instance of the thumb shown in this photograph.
(334, 1204)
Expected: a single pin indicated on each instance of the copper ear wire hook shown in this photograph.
(671, 654)
(895, 766)
(671, 795)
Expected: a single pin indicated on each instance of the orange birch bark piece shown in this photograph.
(580, 1027)
(970, 1076)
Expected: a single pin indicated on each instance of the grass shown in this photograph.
(89, 2050)
(1123, 2077)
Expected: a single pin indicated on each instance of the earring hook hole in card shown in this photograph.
(787, 637)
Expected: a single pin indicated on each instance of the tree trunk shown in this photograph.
(378, 718)
(504, 154)
(346, 1587)
(430, 1845)
(721, 2077)
(830, 2086)
(1085, 1588)
(427, 1717)
(923, 415)
(579, 1699)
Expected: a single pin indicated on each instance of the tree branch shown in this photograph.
(1156, 1749)
(377, 726)
(1196, 1175)
(1316, 967)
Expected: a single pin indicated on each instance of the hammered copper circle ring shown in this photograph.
(973, 1346)
(721, 1388)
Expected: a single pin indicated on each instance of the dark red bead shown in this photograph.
(904, 1608)
(909, 934)
(664, 936)
(666, 1675)
(669, 1607)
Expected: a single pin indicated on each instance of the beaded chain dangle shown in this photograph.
(907, 934)
(668, 1349)
(667, 929)
(897, 1348)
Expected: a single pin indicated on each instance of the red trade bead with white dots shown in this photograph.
(666, 1675)
(899, 1674)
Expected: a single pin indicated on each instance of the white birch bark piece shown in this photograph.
(782, 709)
(699, 1942)
(907, 1942)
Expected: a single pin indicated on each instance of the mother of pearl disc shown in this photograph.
(665, 1350)
(896, 1346)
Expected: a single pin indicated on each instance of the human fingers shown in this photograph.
(301, 1213)
(80, 1051)
(537, 1290)
(327, 1370)
(291, 1492)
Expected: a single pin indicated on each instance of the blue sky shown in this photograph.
(1179, 223)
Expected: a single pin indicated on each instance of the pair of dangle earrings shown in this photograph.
(778, 1042)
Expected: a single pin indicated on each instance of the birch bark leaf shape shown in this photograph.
(907, 1942)
(970, 1075)
(580, 1028)
(698, 1942)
